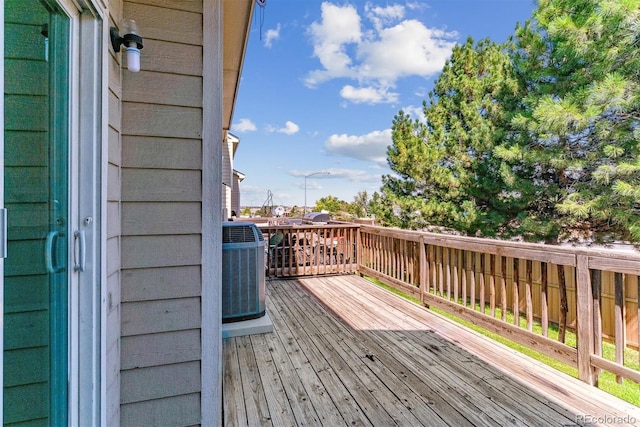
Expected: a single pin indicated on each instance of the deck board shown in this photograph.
(352, 375)
(435, 357)
(431, 363)
(256, 408)
(346, 352)
(301, 358)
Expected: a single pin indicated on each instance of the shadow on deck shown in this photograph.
(346, 352)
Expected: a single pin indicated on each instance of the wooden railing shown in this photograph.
(506, 287)
(564, 302)
(307, 250)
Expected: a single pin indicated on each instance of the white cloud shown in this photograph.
(244, 125)
(416, 112)
(394, 48)
(352, 175)
(289, 128)
(418, 5)
(271, 35)
(406, 49)
(370, 147)
(380, 16)
(340, 26)
(368, 95)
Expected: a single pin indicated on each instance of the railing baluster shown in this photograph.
(619, 321)
(464, 278)
(447, 270)
(401, 254)
(544, 298)
(482, 287)
(529, 297)
(403, 263)
(472, 281)
(387, 260)
(433, 256)
(454, 266)
(596, 294)
(441, 270)
(375, 252)
(384, 261)
(492, 285)
(503, 287)
(516, 291)
(564, 305)
(416, 262)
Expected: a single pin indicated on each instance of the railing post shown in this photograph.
(424, 269)
(584, 315)
(359, 249)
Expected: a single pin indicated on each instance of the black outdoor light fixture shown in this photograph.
(131, 40)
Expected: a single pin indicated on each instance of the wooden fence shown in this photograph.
(506, 286)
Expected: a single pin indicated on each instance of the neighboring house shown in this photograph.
(228, 152)
(110, 296)
(238, 177)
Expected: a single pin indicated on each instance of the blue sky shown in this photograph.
(322, 81)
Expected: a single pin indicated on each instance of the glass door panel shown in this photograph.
(36, 135)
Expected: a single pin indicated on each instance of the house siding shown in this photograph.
(161, 218)
(227, 175)
(235, 194)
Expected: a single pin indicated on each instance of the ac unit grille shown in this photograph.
(243, 284)
(241, 234)
(243, 275)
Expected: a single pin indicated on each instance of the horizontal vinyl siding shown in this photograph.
(161, 218)
(160, 283)
(162, 153)
(161, 348)
(182, 410)
(169, 57)
(157, 382)
(155, 185)
(180, 218)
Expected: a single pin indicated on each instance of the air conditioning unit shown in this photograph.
(243, 275)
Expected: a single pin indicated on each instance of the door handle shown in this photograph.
(79, 241)
(49, 248)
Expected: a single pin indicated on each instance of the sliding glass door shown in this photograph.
(36, 196)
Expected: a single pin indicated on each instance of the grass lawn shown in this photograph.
(628, 390)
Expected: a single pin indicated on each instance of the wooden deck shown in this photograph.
(346, 352)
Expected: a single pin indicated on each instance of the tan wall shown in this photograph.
(161, 217)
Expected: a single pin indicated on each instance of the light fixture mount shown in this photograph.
(127, 39)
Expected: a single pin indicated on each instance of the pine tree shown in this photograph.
(573, 155)
(445, 170)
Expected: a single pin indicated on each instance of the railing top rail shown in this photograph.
(539, 251)
(308, 226)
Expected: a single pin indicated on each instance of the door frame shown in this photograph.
(87, 391)
(88, 132)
